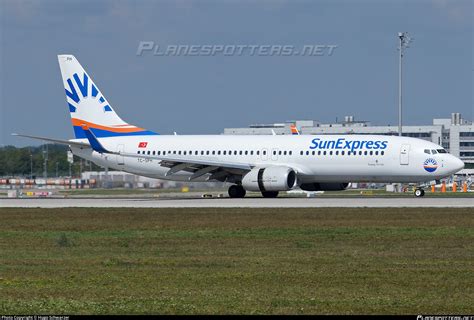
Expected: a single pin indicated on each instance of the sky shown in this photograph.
(205, 94)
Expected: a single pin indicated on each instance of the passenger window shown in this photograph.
(360, 153)
(207, 152)
(376, 153)
(313, 153)
(148, 152)
(264, 153)
(279, 152)
(154, 152)
(337, 153)
(319, 152)
(324, 153)
(371, 152)
(202, 152)
(235, 152)
(382, 152)
(284, 153)
(290, 153)
(330, 153)
(179, 152)
(274, 152)
(219, 152)
(365, 152)
(213, 152)
(158, 152)
(224, 152)
(342, 153)
(251, 152)
(184, 152)
(301, 153)
(258, 152)
(246, 152)
(307, 153)
(240, 152)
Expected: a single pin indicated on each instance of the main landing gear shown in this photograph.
(236, 191)
(419, 192)
(270, 194)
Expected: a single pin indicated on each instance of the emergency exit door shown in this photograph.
(404, 154)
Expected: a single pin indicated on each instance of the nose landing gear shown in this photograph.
(419, 192)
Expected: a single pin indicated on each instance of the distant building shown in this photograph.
(455, 135)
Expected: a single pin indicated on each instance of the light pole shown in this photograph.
(404, 43)
(45, 161)
(31, 165)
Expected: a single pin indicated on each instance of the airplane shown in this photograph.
(268, 164)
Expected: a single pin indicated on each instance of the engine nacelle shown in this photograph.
(269, 179)
(324, 186)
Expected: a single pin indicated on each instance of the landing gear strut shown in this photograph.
(236, 191)
(419, 192)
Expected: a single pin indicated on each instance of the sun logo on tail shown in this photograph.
(84, 88)
(430, 165)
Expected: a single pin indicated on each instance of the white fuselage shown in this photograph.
(348, 158)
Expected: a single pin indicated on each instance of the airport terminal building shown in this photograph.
(455, 134)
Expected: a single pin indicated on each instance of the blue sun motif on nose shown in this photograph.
(430, 165)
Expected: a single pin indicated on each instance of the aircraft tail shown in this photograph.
(89, 107)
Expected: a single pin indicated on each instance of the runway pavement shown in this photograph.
(242, 203)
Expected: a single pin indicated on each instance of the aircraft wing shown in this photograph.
(219, 170)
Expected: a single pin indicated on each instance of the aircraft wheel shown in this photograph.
(270, 194)
(236, 191)
(419, 193)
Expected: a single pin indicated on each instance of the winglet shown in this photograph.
(294, 130)
(95, 144)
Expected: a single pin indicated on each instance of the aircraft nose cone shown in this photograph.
(457, 164)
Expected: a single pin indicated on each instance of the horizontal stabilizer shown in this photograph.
(58, 141)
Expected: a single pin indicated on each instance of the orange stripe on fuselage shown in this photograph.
(80, 123)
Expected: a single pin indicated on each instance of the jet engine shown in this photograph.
(324, 186)
(277, 178)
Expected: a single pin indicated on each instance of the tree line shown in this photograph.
(18, 162)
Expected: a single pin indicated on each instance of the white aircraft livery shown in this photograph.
(266, 164)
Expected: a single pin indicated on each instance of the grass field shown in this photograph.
(201, 261)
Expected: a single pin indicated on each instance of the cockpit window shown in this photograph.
(434, 152)
(427, 151)
(441, 151)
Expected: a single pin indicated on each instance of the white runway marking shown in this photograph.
(242, 203)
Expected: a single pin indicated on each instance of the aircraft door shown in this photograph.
(120, 158)
(404, 154)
